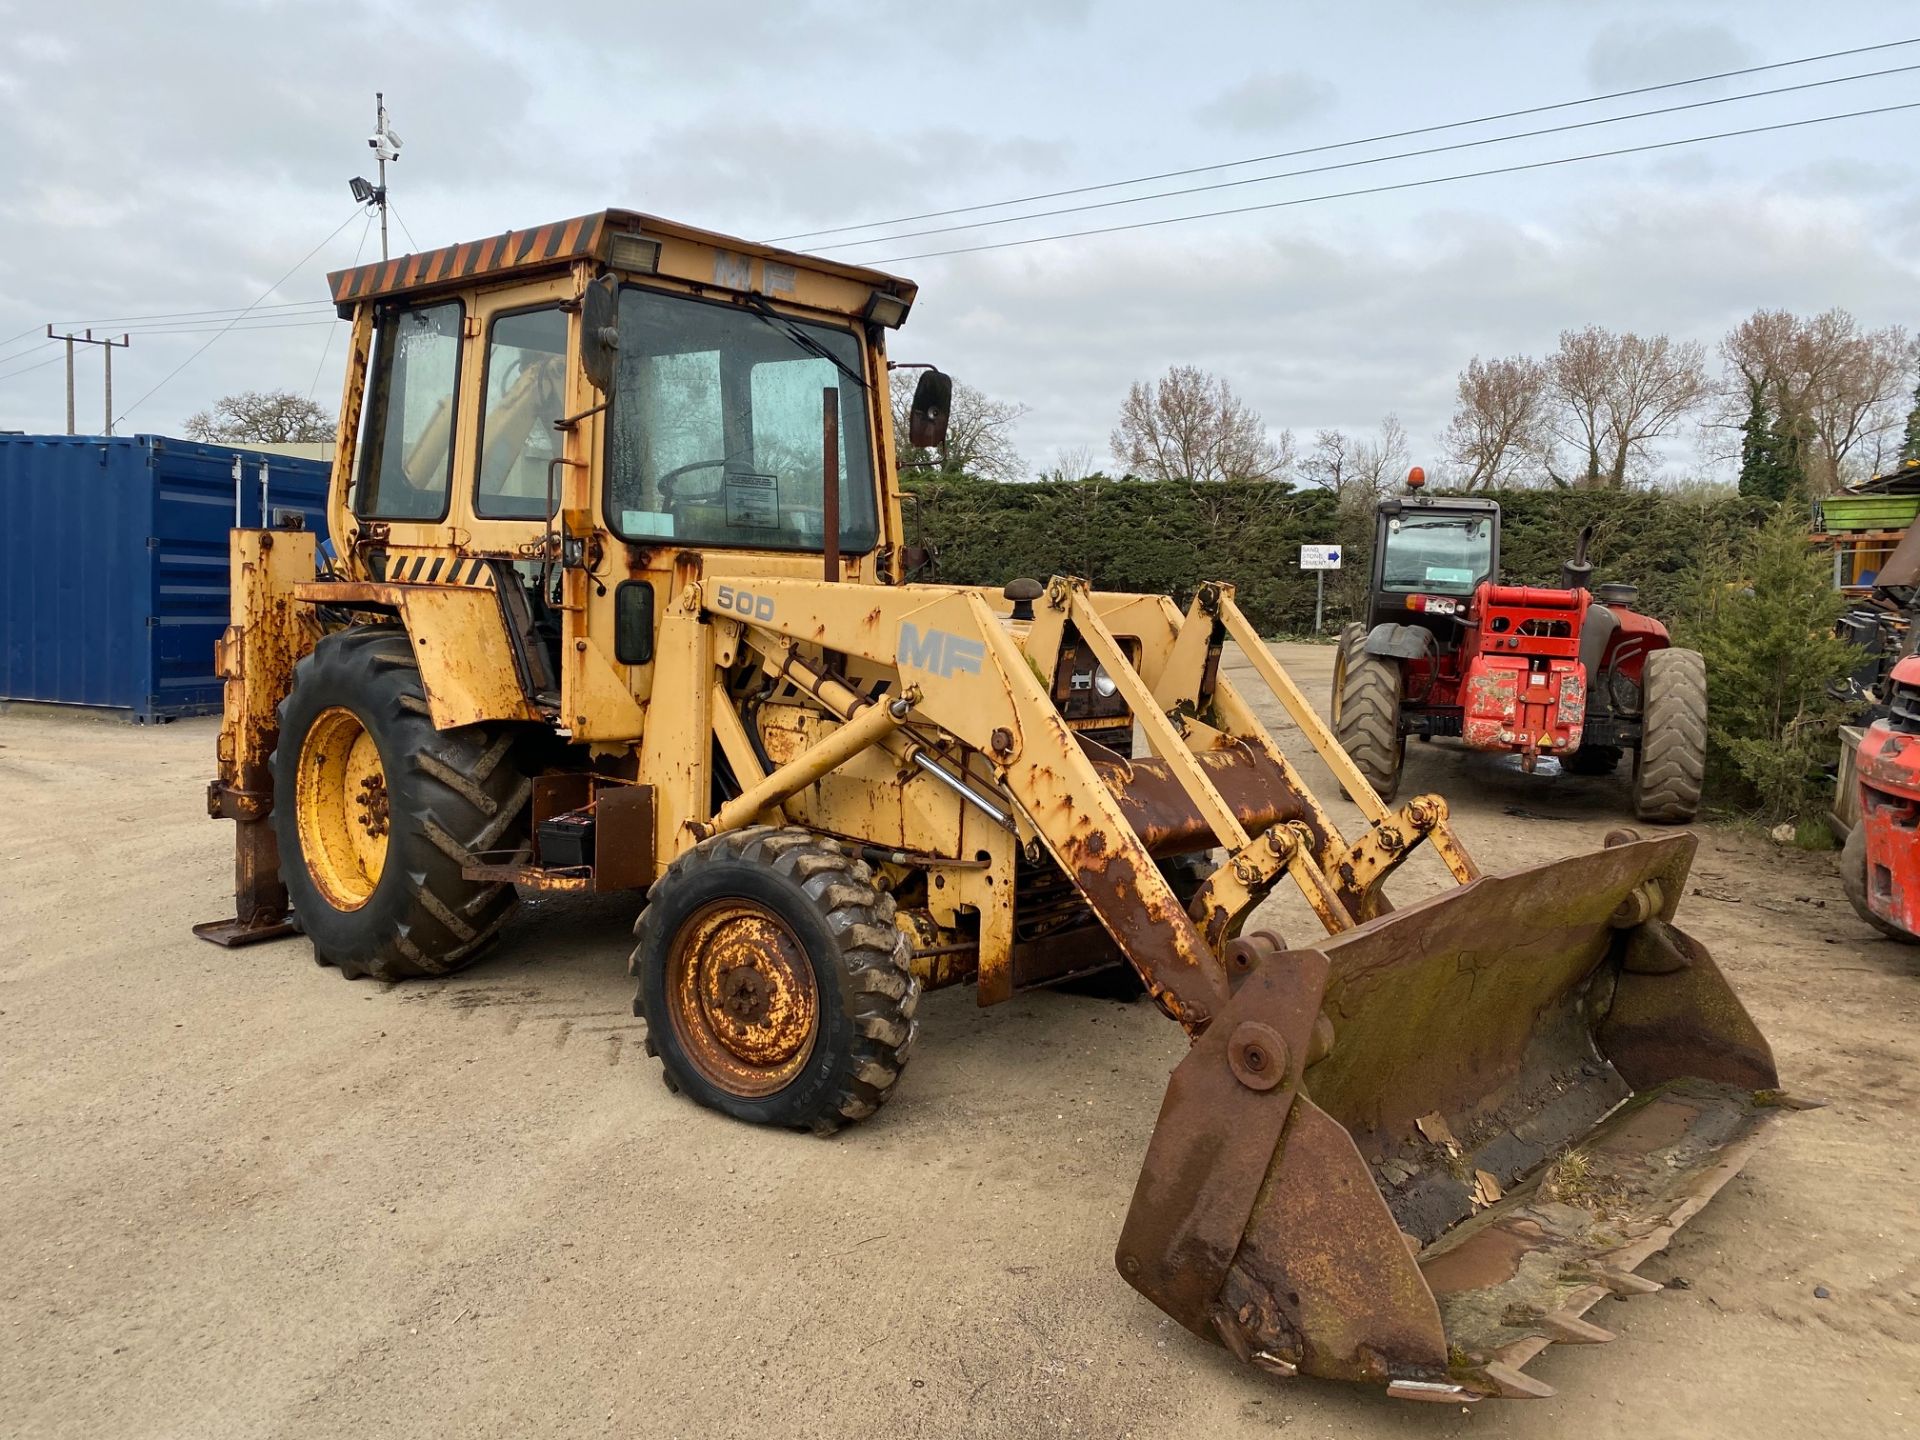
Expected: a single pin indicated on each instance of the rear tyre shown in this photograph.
(773, 982)
(1366, 713)
(1853, 880)
(1671, 764)
(1594, 760)
(376, 812)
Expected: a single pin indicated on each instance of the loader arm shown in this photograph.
(1358, 1168)
(985, 682)
(975, 684)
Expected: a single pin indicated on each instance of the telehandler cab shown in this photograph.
(621, 602)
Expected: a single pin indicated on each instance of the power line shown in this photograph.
(1400, 185)
(1370, 160)
(1348, 144)
(327, 348)
(403, 227)
(237, 329)
(11, 339)
(200, 314)
(22, 354)
(244, 320)
(52, 359)
(241, 316)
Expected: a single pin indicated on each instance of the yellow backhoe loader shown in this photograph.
(620, 600)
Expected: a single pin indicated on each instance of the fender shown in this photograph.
(1400, 642)
(459, 640)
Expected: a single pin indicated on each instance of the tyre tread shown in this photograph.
(1671, 768)
(878, 989)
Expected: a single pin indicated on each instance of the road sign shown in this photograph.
(1319, 557)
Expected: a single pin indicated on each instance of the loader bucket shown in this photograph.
(1417, 1155)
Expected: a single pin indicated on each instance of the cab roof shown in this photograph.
(617, 237)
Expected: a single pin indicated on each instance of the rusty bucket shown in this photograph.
(1418, 1155)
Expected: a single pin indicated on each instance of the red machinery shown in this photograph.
(1572, 672)
(1880, 863)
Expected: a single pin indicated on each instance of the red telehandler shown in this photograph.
(1571, 671)
(1880, 863)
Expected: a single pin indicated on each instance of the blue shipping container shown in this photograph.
(113, 565)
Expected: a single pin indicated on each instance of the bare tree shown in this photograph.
(1329, 464)
(1499, 425)
(1838, 387)
(1380, 462)
(979, 433)
(261, 417)
(1189, 425)
(1613, 395)
(1073, 462)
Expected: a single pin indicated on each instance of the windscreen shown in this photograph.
(718, 434)
(1437, 554)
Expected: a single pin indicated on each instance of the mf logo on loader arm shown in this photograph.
(939, 651)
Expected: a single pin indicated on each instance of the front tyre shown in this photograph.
(1670, 766)
(376, 812)
(1366, 713)
(774, 984)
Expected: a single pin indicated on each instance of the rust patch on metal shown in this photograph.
(742, 998)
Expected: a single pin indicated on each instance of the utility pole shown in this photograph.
(109, 344)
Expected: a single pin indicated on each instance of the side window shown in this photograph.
(525, 394)
(407, 460)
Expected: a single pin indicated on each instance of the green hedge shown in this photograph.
(1142, 535)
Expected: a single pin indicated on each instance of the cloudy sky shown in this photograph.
(172, 160)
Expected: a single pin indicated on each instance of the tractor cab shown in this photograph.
(1430, 555)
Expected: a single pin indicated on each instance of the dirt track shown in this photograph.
(245, 1197)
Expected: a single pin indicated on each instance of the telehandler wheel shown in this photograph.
(773, 982)
(1853, 880)
(375, 811)
(1593, 760)
(1366, 713)
(1671, 764)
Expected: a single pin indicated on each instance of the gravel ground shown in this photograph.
(245, 1197)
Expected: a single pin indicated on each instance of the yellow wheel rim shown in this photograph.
(340, 802)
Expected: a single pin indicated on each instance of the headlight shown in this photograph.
(1103, 685)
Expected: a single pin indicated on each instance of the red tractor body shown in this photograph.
(1881, 860)
(1449, 651)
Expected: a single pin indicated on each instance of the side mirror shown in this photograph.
(932, 399)
(600, 332)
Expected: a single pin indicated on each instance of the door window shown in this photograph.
(525, 394)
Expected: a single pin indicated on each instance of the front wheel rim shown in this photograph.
(742, 998)
(341, 808)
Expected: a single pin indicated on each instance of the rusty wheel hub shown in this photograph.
(371, 803)
(742, 998)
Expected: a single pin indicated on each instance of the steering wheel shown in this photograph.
(665, 483)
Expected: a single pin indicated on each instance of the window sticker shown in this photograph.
(753, 501)
(646, 522)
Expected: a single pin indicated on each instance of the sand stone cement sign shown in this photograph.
(1319, 557)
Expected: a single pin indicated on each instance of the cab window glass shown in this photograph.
(525, 394)
(717, 435)
(408, 457)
